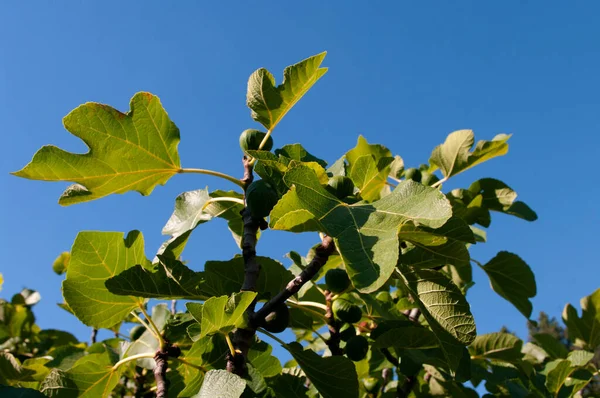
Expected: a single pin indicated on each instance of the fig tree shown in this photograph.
(261, 198)
(340, 186)
(278, 320)
(250, 140)
(346, 311)
(337, 280)
(357, 348)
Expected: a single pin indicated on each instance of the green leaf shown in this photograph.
(288, 385)
(262, 360)
(365, 234)
(226, 277)
(297, 152)
(14, 392)
(446, 310)
(93, 376)
(269, 103)
(333, 376)
(453, 156)
(221, 383)
(500, 197)
(148, 343)
(207, 353)
(58, 385)
(551, 345)
(169, 279)
(433, 247)
(534, 353)
(128, 152)
(585, 330)
(557, 376)
(498, 346)
(59, 266)
(190, 211)
(222, 314)
(580, 357)
(369, 166)
(12, 370)
(96, 257)
(512, 279)
(407, 337)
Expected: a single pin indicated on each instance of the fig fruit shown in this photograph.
(250, 140)
(261, 197)
(337, 280)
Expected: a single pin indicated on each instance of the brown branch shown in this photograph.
(94, 335)
(391, 359)
(323, 251)
(242, 338)
(160, 373)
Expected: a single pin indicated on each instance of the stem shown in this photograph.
(477, 262)
(159, 337)
(294, 304)
(132, 358)
(440, 182)
(186, 363)
(230, 344)
(160, 374)
(320, 336)
(262, 144)
(140, 320)
(94, 335)
(309, 304)
(271, 335)
(213, 173)
(222, 199)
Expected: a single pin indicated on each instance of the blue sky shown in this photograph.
(404, 74)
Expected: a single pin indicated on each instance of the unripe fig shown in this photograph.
(278, 320)
(428, 178)
(136, 332)
(347, 331)
(261, 197)
(337, 280)
(346, 311)
(340, 186)
(372, 384)
(357, 348)
(250, 140)
(412, 174)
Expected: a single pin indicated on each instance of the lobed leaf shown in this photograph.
(95, 258)
(453, 156)
(269, 103)
(222, 314)
(127, 152)
(365, 234)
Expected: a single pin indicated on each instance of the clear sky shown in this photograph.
(404, 74)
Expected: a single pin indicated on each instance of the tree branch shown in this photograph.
(323, 251)
(160, 373)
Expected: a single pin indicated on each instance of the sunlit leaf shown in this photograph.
(222, 314)
(128, 152)
(365, 234)
(221, 383)
(453, 156)
(96, 257)
(147, 343)
(369, 166)
(499, 346)
(269, 103)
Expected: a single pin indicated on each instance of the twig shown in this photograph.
(94, 335)
(323, 251)
(173, 307)
(391, 359)
(242, 338)
(160, 373)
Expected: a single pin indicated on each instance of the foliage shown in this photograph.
(402, 241)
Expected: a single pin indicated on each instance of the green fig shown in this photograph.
(261, 197)
(278, 320)
(337, 280)
(357, 348)
(250, 140)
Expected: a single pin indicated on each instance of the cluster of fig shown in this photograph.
(421, 175)
(346, 312)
